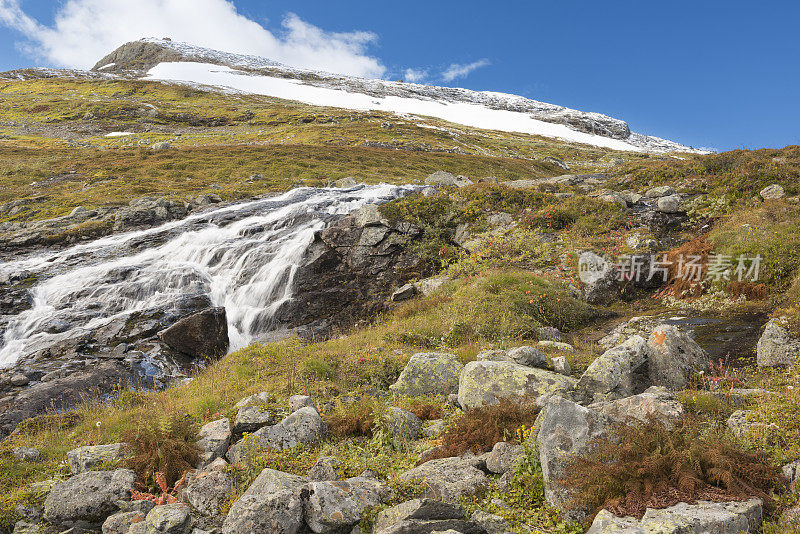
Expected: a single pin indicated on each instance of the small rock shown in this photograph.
(504, 457)
(302, 427)
(660, 191)
(561, 365)
(19, 380)
(162, 145)
(26, 454)
(657, 403)
(548, 333)
(772, 192)
(445, 179)
(740, 423)
(404, 293)
(528, 356)
(777, 346)
(433, 428)
(168, 519)
(419, 516)
(214, 440)
(401, 424)
(251, 418)
(85, 458)
(491, 523)
(201, 335)
(276, 513)
(599, 277)
(345, 183)
(120, 523)
(792, 473)
(670, 204)
(556, 345)
(301, 401)
(447, 479)
(324, 469)
(338, 505)
(207, 491)
(674, 357)
(253, 400)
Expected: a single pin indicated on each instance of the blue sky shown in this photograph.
(722, 74)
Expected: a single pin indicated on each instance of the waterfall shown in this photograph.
(242, 256)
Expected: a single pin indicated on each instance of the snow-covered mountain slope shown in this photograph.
(165, 60)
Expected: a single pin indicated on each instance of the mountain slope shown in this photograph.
(170, 61)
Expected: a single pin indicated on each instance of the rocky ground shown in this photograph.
(442, 366)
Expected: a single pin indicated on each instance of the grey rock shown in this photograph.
(301, 401)
(777, 346)
(211, 198)
(404, 293)
(772, 192)
(700, 518)
(270, 481)
(556, 345)
(417, 513)
(214, 440)
(161, 145)
(251, 418)
(674, 357)
(433, 428)
(207, 491)
(615, 198)
(660, 191)
(599, 278)
(491, 523)
(548, 333)
(303, 427)
(430, 285)
(86, 458)
(504, 457)
(345, 183)
(324, 469)
(670, 204)
(740, 423)
(254, 400)
(618, 370)
(446, 179)
(631, 197)
(657, 403)
(489, 382)
(792, 473)
(429, 373)
(500, 219)
(401, 424)
(529, 356)
(19, 380)
(566, 430)
(26, 454)
(447, 479)
(121, 522)
(168, 519)
(561, 365)
(336, 505)
(90, 496)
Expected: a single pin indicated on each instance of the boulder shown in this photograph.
(401, 424)
(404, 293)
(657, 403)
(345, 183)
(422, 516)
(429, 373)
(561, 365)
(618, 371)
(701, 518)
(251, 418)
(490, 523)
(489, 382)
(434, 428)
(200, 335)
(161, 145)
(303, 427)
(271, 481)
(641, 326)
(565, 430)
(90, 496)
(276, 513)
(741, 422)
(556, 345)
(335, 506)
(147, 211)
(214, 440)
(86, 458)
(548, 333)
(447, 479)
(504, 457)
(674, 357)
(777, 346)
(615, 198)
(792, 473)
(262, 398)
(599, 277)
(207, 491)
(168, 519)
(324, 469)
(772, 192)
(529, 356)
(670, 204)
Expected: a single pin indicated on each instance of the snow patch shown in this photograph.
(118, 134)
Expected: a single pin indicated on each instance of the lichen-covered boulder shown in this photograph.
(772, 192)
(303, 427)
(489, 382)
(674, 357)
(447, 479)
(325, 468)
(423, 516)
(272, 481)
(657, 403)
(168, 519)
(504, 457)
(207, 491)
(429, 373)
(120, 523)
(777, 346)
(529, 356)
(214, 440)
(85, 458)
(565, 430)
(401, 424)
(337, 505)
(599, 278)
(251, 418)
(276, 513)
(701, 518)
(619, 370)
(90, 496)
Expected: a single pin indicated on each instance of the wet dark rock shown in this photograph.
(200, 335)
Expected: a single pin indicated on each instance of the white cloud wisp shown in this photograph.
(456, 71)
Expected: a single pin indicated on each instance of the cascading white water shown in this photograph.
(243, 257)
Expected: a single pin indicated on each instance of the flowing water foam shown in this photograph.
(243, 257)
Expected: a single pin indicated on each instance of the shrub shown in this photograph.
(159, 449)
(357, 419)
(653, 467)
(480, 428)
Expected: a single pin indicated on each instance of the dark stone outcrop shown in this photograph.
(200, 335)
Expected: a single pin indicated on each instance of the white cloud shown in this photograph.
(86, 30)
(415, 75)
(455, 71)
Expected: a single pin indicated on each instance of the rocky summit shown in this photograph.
(242, 297)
